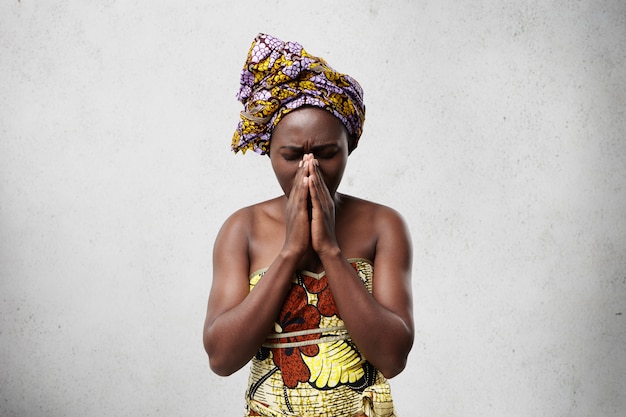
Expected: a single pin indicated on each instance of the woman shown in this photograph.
(312, 286)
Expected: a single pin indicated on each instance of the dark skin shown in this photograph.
(311, 227)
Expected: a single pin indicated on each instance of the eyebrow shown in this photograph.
(314, 148)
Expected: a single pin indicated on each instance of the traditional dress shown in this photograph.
(309, 366)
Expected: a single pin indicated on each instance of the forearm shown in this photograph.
(384, 337)
(234, 337)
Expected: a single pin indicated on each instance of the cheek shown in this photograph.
(285, 176)
(286, 183)
(332, 173)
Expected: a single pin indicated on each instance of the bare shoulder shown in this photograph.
(392, 252)
(372, 230)
(251, 235)
(244, 219)
(378, 215)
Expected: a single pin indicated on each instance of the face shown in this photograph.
(309, 130)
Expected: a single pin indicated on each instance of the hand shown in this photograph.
(323, 237)
(298, 228)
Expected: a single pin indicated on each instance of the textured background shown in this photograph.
(498, 128)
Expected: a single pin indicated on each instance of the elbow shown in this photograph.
(394, 361)
(218, 362)
(223, 361)
(393, 368)
(220, 367)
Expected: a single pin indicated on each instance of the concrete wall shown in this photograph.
(496, 127)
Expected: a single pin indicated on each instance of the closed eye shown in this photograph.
(291, 155)
(326, 152)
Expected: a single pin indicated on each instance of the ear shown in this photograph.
(351, 144)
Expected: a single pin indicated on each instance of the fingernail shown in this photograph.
(300, 164)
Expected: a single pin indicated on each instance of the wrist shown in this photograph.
(330, 254)
(289, 255)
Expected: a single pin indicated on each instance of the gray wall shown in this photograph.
(496, 127)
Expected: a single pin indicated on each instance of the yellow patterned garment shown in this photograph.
(309, 366)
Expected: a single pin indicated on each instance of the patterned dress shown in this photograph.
(309, 366)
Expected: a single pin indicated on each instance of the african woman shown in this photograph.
(312, 287)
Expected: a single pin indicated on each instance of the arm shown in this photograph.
(238, 320)
(381, 325)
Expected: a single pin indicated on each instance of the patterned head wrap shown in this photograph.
(279, 77)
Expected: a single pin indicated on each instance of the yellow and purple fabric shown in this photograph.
(279, 77)
(309, 366)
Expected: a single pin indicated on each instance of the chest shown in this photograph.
(356, 239)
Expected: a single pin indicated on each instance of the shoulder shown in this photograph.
(252, 235)
(376, 214)
(247, 216)
(243, 222)
(392, 245)
(237, 221)
(379, 227)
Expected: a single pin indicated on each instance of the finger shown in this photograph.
(306, 157)
(313, 190)
(318, 192)
(312, 164)
(322, 191)
(299, 188)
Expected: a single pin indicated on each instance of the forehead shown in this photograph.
(308, 126)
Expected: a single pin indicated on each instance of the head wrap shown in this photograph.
(279, 77)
